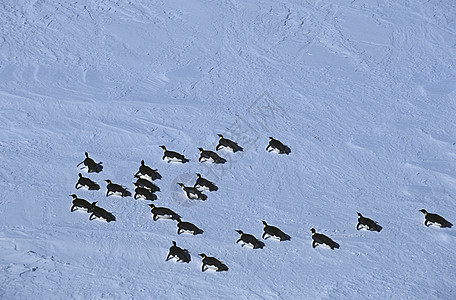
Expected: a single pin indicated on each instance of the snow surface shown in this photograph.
(363, 92)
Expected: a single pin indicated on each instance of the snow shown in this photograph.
(363, 92)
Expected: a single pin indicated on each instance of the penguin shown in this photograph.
(163, 213)
(367, 223)
(211, 156)
(274, 232)
(79, 203)
(113, 188)
(98, 212)
(277, 146)
(228, 144)
(91, 165)
(250, 240)
(187, 227)
(204, 184)
(179, 253)
(147, 171)
(212, 262)
(144, 193)
(321, 239)
(435, 219)
(144, 183)
(192, 192)
(86, 183)
(171, 156)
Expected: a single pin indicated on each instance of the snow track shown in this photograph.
(362, 92)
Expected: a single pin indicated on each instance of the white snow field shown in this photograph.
(363, 92)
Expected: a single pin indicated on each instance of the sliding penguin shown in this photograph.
(192, 192)
(79, 203)
(86, 183)
(144, 193)
(91, 165)
(179, 253)
(98, 212)
(277, 146)
(367, 223)
(228, 144)
(113, 188)
(321, 239)
(204, 184)
(210, 156)
(212, 262)
(144, 183)
(430, 218)
(171, 156)
(274, 232)
(148, 171)
(187, 227)
(249, 240)
(162, 213)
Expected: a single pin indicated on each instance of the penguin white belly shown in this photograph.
(201, 187)
(172, 159)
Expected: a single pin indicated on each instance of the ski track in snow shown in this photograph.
(362, 91)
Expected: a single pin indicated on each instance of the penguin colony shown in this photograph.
(146, 189)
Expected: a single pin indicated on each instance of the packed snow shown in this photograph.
(363, 93)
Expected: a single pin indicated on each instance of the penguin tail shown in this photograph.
(336, 245)
(213, 188)
(379, 228)
(287, 150)
(203, 197)
(185, 160)
(286, 237)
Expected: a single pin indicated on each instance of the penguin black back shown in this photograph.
(321, 239)
(274, 232)
(179, 253)
(86, 182)
(98, 212)
(213, 262)
(81, 203)
(203, 183)
(173, 156)
(187, 227)
(147, 171)
(367, 223)
(113, 188)
(207, 155)
(277, 146)
(226, 143)
(250, 240)
(431, 218)
(91, 165)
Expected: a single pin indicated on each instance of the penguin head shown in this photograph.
(423, 211)
(174, 243)
(198, 175)
(201, 149)
(163, 147)
(264, 223)
(86, 154)
(313, 230)
(271, 138)
(178, 220)
(142, 162)
(220, 136)
(360, 215)
(74, 196)
(181, 184)
(240, 232)
(108, 181)
(151, 206)
(202, 255)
